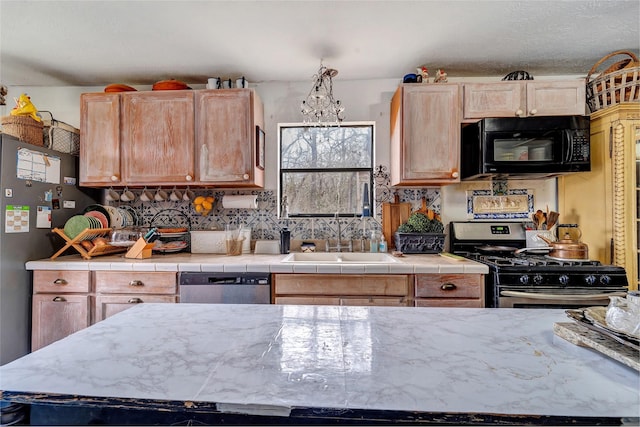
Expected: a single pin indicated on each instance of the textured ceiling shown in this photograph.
(89, 43)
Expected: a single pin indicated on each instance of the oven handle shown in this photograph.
(558, 297)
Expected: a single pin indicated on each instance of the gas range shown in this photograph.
(532, 279)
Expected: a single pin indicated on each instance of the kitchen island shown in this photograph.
(193, 363)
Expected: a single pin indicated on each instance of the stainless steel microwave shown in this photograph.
(524, 148)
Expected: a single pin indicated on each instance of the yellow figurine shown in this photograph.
(24, 107)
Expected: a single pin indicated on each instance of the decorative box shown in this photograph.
(419, 243)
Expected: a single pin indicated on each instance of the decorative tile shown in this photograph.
(484, 204)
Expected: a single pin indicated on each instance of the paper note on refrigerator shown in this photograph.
(37, 166)
(43, 218)
(16, 219)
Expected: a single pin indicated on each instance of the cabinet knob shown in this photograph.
(114, 178)
(60, 282)
(188, 178)
(245, 176)
(519, 113)
(136, 283)
(448, 287)
(455, 174)
(134, 301)
(59, 299)
(533, 112)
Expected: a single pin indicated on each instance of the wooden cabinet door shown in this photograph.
(100, 139)
(341, 284)
(158, 138)
(504, 99)
(226, 137)
(108, 305)
(558, 98)
(57, 316)
(425, 135)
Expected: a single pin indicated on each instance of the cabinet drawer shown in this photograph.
(345, 300)
(61, 281)
(443, 302)
(341, 284)
(117, 282)
(449, 286)
(108, 305)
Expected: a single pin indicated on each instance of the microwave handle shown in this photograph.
(567, 141)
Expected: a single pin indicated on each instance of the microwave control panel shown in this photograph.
(580, 147)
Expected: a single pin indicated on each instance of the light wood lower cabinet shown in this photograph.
(65, 302)
(61, 305)
(449, 290)
(342, 289)
(116, 290)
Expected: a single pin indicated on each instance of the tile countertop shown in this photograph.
(408, 264)
(275, 360)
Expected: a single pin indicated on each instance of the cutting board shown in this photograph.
(393, 214)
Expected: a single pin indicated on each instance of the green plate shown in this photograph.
(76, 225)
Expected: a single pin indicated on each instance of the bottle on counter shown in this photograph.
(285, 240)
(383, 244)
(373, 243)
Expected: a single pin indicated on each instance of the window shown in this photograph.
(323, 170)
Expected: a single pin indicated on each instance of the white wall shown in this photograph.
(364, 100)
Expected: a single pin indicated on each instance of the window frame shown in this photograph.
(370, 170)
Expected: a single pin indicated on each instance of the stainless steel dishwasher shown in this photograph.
(225, 288)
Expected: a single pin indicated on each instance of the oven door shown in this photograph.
(552, 298)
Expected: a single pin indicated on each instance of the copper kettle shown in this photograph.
(567, 248)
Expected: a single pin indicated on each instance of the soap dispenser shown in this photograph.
(285, 240)
(383, 244)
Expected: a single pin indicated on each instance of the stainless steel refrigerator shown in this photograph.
(37, 184)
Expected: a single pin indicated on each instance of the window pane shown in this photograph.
(324, 192)
(326, 147)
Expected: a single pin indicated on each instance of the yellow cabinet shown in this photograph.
(524, 99)
(604, 201)
(425, 135)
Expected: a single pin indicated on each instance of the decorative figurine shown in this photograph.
(424, 73)
(441, 76)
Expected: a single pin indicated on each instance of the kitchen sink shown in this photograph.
(340, 257)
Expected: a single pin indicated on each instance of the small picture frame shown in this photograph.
(259, 148)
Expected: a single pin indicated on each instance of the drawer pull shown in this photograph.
(135, 301)
(59, 299)
(60, 282)
(136, 283)
(448, 287)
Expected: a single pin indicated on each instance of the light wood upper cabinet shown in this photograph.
(200, 138)
(226, 123)
(157, 137)
(524, 99)
(425, 135)
(100, 139)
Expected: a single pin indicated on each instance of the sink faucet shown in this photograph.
(338, 247)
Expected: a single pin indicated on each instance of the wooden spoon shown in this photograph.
(552, 219)
(540, 219)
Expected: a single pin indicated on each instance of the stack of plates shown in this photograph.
(78, 223)
(112, 217)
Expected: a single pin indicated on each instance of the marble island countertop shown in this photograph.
(385, 362)
(408, 264)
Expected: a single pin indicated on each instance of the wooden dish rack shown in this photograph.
(94, 251)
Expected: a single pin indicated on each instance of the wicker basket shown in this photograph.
(24, 128)
(60, 136)
(620, 82)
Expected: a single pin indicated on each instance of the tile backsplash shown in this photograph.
(265, 222)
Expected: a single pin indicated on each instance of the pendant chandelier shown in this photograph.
(320, 107)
